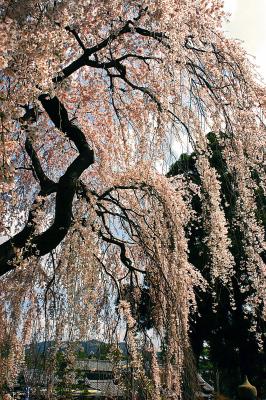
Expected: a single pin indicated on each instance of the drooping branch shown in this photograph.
(110, 275)
(126, 261)
(146, 91)
(26, 242)
(106, 234)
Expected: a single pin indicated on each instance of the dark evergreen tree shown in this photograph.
(233, 348)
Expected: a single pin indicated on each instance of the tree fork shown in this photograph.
(26, 242)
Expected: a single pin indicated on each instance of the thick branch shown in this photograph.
(76, 36)
(39, 244)
(47, 185)
(84, 58)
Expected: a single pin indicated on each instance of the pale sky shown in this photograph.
(248, 23)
